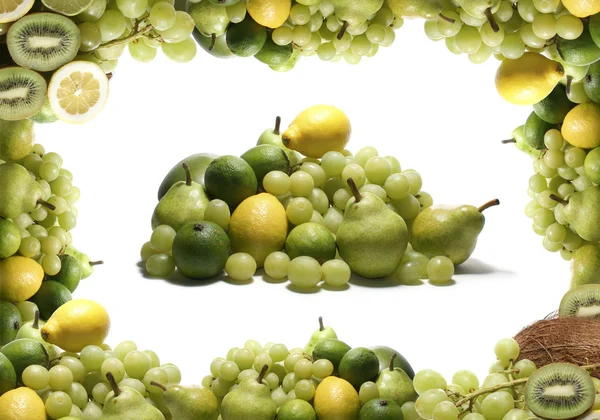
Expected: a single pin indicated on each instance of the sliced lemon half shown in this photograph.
(78, 91)
(13, 10)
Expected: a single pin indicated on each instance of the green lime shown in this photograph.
(288, 65)
(10, 322)
(380, 409)
(266, 158)
(273, 54)
(67, 7)
(50, 297)
(25, 352)
(231, 179)
(8, 376)
(331, 349)
(70, 272)
(312, 240)
(296, 409)
(246, 38)
(358, 366)
(16, 139)
(554, 107)
(201, 250)
(10, 238)
(44, 115)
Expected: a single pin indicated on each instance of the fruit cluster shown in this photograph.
(313, 218)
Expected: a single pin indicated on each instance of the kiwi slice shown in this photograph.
(583, 301)
(43, 41)
(559, 391)
(22, 93)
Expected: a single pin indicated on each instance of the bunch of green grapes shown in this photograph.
(515, 27)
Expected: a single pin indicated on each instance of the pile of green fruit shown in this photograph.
(305, 218)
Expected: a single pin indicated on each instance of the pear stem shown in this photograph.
(354, 189)
(321, 326)
(113, 384)
(489, 204)
(509, 141)
(568, 86)
(340, 35)
(490, 17)
(188, 174)
(277, 126)
(161, 386)
(392, 360)
(213, 41)
(46, 204)
(36, 320)
(93, 263)
(559, 200)
(446, 18)
(262, 373)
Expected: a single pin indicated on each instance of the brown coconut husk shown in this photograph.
(568, 340)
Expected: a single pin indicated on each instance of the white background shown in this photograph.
(434, 111)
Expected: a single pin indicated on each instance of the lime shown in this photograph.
(358, 366)
(296, 409)
(201, 250)
(16, 139)
(266, 158)
(10, 322)
(288, 65)
(70, 272)
(51, 296)
(8, 377)
(246, 38)
(331, 349)
(25, 352)
(231, 179)
(67, 7)
(10, 237)
(312, 240)
(380, 409)
(273, 54)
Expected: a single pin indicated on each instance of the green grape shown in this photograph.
(356, 172)
(408, 411)
(253, 346)
(428, 400)
(546, 6)
(350, 57)
(512, 46)
(556, 232)
(279, 396)
(408, 208)
(375, 33)
(326, 51)
(302, 184)
(431, 29)
(111, 24)
(544, 26)
(332, 219)
(36, 231)
(75, 365)
(497, 404)
(100, 392)
(342, 45)
(304, 272)
(59, 203)
(390, 37)
(141, 52)
(278, 352)
(564, 190)
(162, 16)
(316, 21)
(299, 14)
(360, 45)
(428, 379)
(527, 10)
(236, 12)
(229, 371)
(319, 200)
(115, 366)
(507, 350)
(374, 189)
(543, 217)
(160, 265)
(466, 379)
(368, 391)
(53, 157)
(577, 94)
(231, 353)
(157, 375)
(27, 310)
(545, 170)
(304, 389)
(445, 410)
(162, 238)
(409, 272)
(551, 246)
(364, 154)
(32, 163)
(78, 395)
(333, 24)
(539, 230)
(414, 181)
(322, 368)
(504, 12)
(302, 35)
(60, 378)
(283, 35)
(91, 37)
(179, 32)
(316, 172)
(333, 163)
(180, 52)
(217, 211)
(240, 266)
(35, 377)
(572, 241)
(553, 138)
(471, 20)
(92, 357)
(136, 364)
(272, 380)
(73, 196)
(276, 265)
(299, 210)
(51, 264)
(581, 183)
(397, 186)
(440, 270)
(341, 197)
(554, 158)
(359, 29)
(569, 27)
(48, 171)
(384, 16)
(277, 183)
(377, 169)
(147, 251)
(289, 382)
(67, 220)
(50, 245)
(207, 381)
(132, 9)
(133, 383)
(173, 373)
(58, 404)
(303, 369)
(221, 387)
(574, 157)
(312, 45)
(468, 39)
(447, 28)
(530, 38)
(30, 247)
(538, 183)
(524, 368)
(567, 173)
(244, 358)
(481, 55)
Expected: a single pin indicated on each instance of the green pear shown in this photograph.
(272, 136)
(250, 400)
(394, 384)
(16, 139)
(385, 354)
(581, 211)
(519, 140)
(209, 19)
(449, 230)
(371, 239)
(127, 404)
(87, 266)
(319, 335)
(190, 402)
(425, 9)
(354, 12)
(214, 45)
(20, 192)
(585, 265)
(184, 203)
(197, 164)
(32, 329)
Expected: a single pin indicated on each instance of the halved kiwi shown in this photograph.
(583, 301)
(43, 41)
(559, 391)
(22, 93)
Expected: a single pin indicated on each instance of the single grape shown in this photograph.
(229, 371)
(283, 35)
(574, 157)
(244, 358)
(254, 346)
(112, 24)
(336, 273)
(299, 14)
(183, 51)
(180, 31)
(302, 184)
(368, 391)
(276, 265)
(217, 211)
(408, 207)
(445, 410)
(497, 404)
(304, 389)
(155, 375)
(35, 377)
(278, 352)
(364, 154)
(100, 392)
(356, 172)
(160, 265)
(569, 26)
(397, 186)
(92, 357)
(302, 35)
(506, 350)
(236, 12)
(322, 368)
(277, 183)
(299, 210)
(30, 247)
(440, 270)
(466, 379)
(136, 364)
(221, 387)
(162, 16)
(75, 366)
(58, 404)
(512, 46)
(240, 266)
(162, 238)
(319, 200)
(141, 51)
(524, 368)
(428, 379)
(60, 378)
(428, 400)
(304, 272)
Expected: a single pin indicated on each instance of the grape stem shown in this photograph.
(277, 126)
(161, 386)
(340, 35)
(36, 320)
(321, 326)
(188, 174)
(489, 204)
(46, 204)
(113, 384)
(354, 189)
(138, 33)
(559, 200)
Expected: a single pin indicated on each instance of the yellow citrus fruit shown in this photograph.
(269, 13)
(336, 399)
(317, 130)
(22, 404)
(582, 8)
(11, 11)
(581, 126)
(20, 278)
(258, 226)
(528, 79)
(76, 324)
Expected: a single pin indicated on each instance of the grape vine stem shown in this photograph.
(135, 35)
(510, 384)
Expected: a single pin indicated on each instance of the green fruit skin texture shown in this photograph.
(585, 266)
(554, 107)
(8, 376)
(358, 366)
(331, 349)
(50, 297)
(201, 250)
(70, 273)
(591, 165)
(20, 192)
(246, 38)
(396, 385)
(273, 54)
(534, 130)
(197, 164)
(295, 249)
(266, 158)
(230, 179)
(582, 213)
(10, 322)
(380, 409)
(24, 352)
(594, 28)
(180, 205)
(13, 134)
(384, 354)
(591, 82)
(580, 51)
(220, 49)
(10, 238)
(209, 19)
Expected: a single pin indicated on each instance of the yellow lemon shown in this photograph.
(581, 126)
(582, 8)
(76, 324)
(528, 79)
(22, 404)
(317, 130)
(20, 278)
(336, 399)
(269, 13)
(258, 226)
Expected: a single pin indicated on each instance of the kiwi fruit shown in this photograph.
(582, 301)
(559, 391)
(43, 41)
(22, 93)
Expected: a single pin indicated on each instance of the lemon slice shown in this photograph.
(12, 10)
(78, 91)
